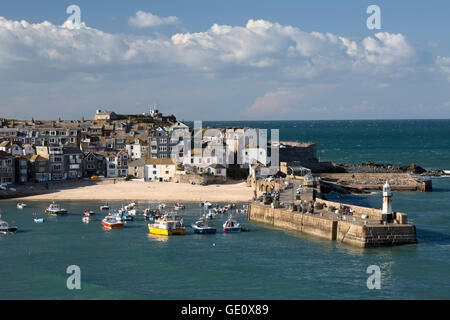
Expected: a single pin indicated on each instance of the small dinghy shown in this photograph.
(21, 205)
(39, 220)
(86, 219)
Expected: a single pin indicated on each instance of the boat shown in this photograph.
(207, 204)
(86, 219)
(111, 222)
(55, 209)
(150, 214)
(39, 220)
(88, 213)
(231, 225)
(179, 206)
(105, 207)
(201, 227)
(162, 206)
(5, 228)
(130, 206)
(167, 225)
(21, 205)
(132, 212)
(123, 215)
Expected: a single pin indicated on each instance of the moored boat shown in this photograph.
(39, 220)
(55, 209)
(162, 206)
(104, 207)
(88, 213)
(21, 205)
(150, 214)
(5, 228)
(86, 219)
(169, 224)
(179, 206)
(111, 222)
(202, 227)
(231, 225)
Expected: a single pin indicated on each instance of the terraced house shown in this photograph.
(7, 168)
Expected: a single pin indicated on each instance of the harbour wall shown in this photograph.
(360, 235)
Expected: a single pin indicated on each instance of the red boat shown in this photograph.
(111, 222)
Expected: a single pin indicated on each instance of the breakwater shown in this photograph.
(363, 229)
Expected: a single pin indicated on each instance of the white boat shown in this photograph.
(105, 207)
(5, 228)
(86, 219)
(132, 212)
(231, 225)
(162, 206)
(55, 209)
(179, 206)
(39, 220)
(21, 205)
(130, 206)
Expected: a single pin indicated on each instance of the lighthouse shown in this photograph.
(387, 202)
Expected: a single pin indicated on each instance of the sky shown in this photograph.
(226, 60)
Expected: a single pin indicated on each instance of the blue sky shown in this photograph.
(226, 60)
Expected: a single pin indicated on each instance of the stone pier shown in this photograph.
(363, 229)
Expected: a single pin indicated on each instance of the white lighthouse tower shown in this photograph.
(387, 202)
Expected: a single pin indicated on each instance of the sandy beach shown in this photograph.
(159, 191)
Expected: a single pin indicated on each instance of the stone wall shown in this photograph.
(343, 231)
(281, 218)
(198, 179)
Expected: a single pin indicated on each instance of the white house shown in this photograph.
(159, 169)
(137, 148)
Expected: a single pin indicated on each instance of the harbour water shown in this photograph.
(264, 263)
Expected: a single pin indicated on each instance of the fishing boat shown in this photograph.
(21, 205)
(201, 227)
(231, 225)
(111, 222)
(150, 214)
(162, 206)
(88, 213)
(105, 207)
(5, 228)
(169, 224)
(179, 206)
(55, 209)
(130, 206)
(207, 204)
(132, 212)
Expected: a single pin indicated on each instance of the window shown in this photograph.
(154, 172)
(154, 166)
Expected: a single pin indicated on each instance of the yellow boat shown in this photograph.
(168, 225)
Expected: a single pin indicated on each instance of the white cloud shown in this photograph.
(283, 51)
(443, 64)
(147, 20)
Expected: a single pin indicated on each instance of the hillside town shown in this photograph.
(148, 146)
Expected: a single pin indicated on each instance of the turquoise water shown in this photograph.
(265, 263)
(425, 142)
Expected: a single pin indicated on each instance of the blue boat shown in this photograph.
(202, 227)
(39, 220)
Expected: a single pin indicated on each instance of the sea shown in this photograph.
(265, 262)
